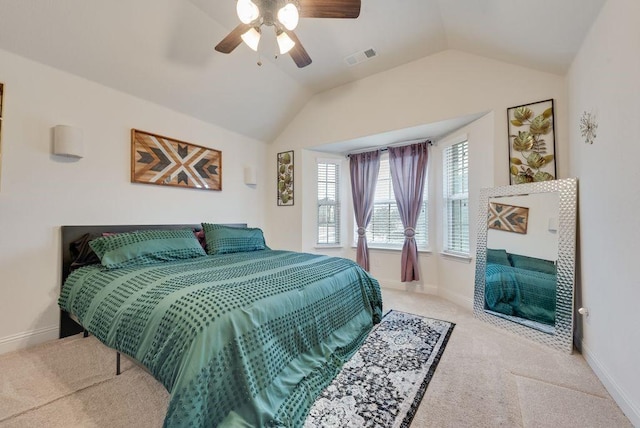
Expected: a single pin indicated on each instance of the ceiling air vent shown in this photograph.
(361, 56)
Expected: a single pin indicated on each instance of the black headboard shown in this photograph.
(72, 233)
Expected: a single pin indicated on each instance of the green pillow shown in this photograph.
(146, 247)
(497, 257)
(532, 263)
(225, 239)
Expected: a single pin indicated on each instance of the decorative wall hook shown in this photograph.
(588, 127)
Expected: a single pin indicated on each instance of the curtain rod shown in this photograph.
(385, 148)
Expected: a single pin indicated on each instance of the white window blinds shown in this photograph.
(328, 202)
(385, 228)
(456, 198)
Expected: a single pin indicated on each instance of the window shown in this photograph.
(328, 202)
(456, 198)
(385, 228)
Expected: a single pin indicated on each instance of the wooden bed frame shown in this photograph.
(70, 234)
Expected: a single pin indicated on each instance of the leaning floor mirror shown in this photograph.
(525, 266)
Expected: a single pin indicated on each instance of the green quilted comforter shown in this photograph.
(522, 293)
(244, 339)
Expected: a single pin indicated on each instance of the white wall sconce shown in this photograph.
(67, 141)
(553, 224)
(250, 177)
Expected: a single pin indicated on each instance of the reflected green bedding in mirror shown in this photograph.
(521, 293)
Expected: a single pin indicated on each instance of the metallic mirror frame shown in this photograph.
(562, 339)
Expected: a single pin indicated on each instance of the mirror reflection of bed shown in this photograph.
(521, 256)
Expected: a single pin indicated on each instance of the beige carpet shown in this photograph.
(486, 378)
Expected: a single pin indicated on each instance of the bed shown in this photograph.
(520, 292)
(245, 338)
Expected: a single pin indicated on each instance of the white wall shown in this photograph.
(439, 87)
(40, 192)
(605, 78)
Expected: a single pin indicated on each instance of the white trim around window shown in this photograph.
(455, 197)
(328, 203)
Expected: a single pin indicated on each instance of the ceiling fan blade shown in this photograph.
(298, 52)
(329, 8)
(233, 39)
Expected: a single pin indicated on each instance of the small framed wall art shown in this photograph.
(1, 93)
(169, 162)
(532, 142)
(285, 178)
(508, 218)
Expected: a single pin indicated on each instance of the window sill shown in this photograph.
(328, 247)
(463, 258)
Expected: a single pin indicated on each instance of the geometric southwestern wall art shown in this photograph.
(508, 218)
(160, 160)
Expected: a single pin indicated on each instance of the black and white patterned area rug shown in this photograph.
(383, 383)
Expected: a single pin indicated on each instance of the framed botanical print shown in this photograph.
(1, 93)
(532, 142)
(285, 178)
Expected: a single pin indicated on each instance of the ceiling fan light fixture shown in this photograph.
(284, 42)
(252, 38)
(247, 11)
(288, 16)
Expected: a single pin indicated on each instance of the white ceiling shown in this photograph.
(162, 50)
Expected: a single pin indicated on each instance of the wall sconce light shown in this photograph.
(67, 141)
(553, 224)
(250, 177)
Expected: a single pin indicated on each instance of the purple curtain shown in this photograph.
(364, 175)
(408, 165)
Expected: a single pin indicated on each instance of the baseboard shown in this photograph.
(409, 286)
(619, 395)
(458, 299)
(28, 338)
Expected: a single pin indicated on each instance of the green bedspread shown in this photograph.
(522, 293)
(244, 339)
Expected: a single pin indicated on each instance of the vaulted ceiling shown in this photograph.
(162, 50)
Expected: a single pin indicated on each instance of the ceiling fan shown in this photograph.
(283, 16)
